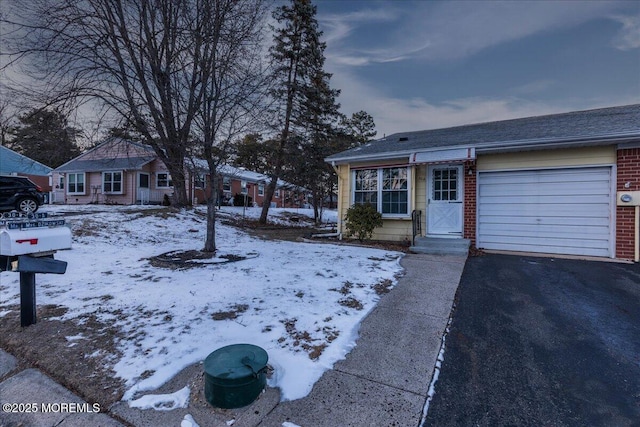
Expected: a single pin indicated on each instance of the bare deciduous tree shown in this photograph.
(234, 88)
(182, 73)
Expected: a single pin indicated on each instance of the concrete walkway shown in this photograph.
(384, 381)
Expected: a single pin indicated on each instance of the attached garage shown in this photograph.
(562, 211)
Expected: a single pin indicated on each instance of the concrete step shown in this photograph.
(441, 246)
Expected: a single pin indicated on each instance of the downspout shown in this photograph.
(339, 201)
(637, 239)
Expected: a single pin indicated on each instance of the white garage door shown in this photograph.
(561, 211)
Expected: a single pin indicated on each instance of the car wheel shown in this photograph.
(27, 205)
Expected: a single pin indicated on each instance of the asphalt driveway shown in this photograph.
(541, 341)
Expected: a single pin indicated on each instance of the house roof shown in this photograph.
(109, 162)
(255, 177)
(12, 162)
(99, 165)
(245, 175)
(578, 128)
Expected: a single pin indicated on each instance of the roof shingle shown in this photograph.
(586, 125)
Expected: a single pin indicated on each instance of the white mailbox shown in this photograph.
(35, 240)
(35, 234)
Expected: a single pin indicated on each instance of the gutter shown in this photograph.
(497, 146)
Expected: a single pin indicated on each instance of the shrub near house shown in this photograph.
(361, 220)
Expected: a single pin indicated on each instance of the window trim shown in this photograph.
(75, 183)
(169, 181)
(260, 189)
(112, 181)
(379, 190)
(226, 183)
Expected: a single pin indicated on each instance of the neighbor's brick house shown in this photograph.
(234, 180)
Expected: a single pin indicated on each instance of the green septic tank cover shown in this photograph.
(235, 362)
(235, 375)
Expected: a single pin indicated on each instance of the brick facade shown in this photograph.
(628, 166)
(469, 213)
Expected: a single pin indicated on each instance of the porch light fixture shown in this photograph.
(470, 170)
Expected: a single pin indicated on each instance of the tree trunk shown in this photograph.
(210, 242)
(268, 196)
(320, 211)
(179, 180)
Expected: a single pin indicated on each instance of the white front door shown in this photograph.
(143, 188)
(444, 201)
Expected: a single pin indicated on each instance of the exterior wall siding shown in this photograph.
(93, 189)
(394, 230)
(628, 170)
(344, 194)
(548, 158)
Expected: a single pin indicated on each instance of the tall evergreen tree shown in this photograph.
(254, 154)
(361, 127)
(45, 136)
(300, 86)
(321, 127)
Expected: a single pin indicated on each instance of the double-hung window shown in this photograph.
(199, 180)
(163, 180)
(75, 183)
(112, 182)
(366, 187)
(386, 189)
(395, 191)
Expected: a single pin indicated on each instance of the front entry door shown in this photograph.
(444, 209)
(143, 188)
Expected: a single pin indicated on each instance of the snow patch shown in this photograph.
(163, 402)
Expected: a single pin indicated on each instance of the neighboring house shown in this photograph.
(234, 180)
(120, 171)
(117, 171)
(547, 184)
(12, 163)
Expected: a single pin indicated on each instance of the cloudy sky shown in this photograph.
(428, 64)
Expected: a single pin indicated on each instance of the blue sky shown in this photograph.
(428, 64)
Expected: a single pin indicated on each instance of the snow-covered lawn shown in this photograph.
(301, 302)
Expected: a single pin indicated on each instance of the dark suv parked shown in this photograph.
(19, 193)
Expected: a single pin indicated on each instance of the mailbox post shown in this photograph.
(27, 245)
(27, 299)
